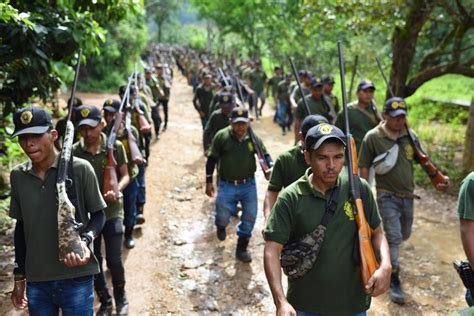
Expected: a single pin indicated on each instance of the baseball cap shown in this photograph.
(318, 134)
(112, 105)
(327, 80)
(88, 115)
(310, 121)
(239, 114)
(316, 83)
(226, 99)
(365, 84)
(31, 120)
(288, 75)
(207, 76)
(395, 106)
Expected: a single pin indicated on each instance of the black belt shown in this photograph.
(236, 182)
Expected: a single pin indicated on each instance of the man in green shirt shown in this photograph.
(283, 107)
(331, 99)
(289, 166)
(203, 98)
(233, 151)
(258, 80)
(219, 119)
(466, 221)
(93, 148)
(272, 85)
(42, 282)
(333, 285)
(396, 185)
(316, 104)
(363, 114)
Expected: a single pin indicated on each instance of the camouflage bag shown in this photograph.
(298, 257)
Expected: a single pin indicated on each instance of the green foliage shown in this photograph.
(36, 34)
(124, 43)
(160, 12)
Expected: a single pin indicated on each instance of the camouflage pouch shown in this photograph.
(298, 257)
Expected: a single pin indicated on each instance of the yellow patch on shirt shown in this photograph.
(409, 152)
(250, 146)
(349, 210)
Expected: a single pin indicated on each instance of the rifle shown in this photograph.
(300, 89)
(436, 176)
(143, 124)
(368, 261)
(135, 153)
(354, 69)
(69, 239)
(110, 173)
(258, 150)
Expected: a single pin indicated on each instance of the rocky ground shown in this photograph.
(179, 267)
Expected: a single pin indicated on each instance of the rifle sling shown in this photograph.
(71, 190)
(330, 208)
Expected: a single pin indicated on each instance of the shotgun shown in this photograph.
(368, 261)
(143, 124)
(354, 69)
(110, 172)
(69, 239)
(436, 176)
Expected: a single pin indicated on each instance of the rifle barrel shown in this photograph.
(74, 84)
(384, 77)
(299, 85)
(354, 69)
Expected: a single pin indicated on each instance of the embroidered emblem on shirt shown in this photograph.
(349, 210)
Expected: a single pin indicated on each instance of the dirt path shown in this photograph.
(178, 266)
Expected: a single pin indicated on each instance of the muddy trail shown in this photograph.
(178, 266)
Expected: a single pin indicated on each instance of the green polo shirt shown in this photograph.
(257, 80)
(360, 121)
(466, 198)
(288, 168)
(123, 138)
(216, 122)
(334, 285)
(151, 84)
(166, 90)
(236, 159)
(203, 96)
(399, 180)
(113, 210)
(34, 202)
(315, 107)
(274, 82)
(283, 92)
(297, 96)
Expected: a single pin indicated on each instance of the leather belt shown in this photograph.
(236, 182)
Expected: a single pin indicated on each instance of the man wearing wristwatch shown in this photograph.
(42, 282)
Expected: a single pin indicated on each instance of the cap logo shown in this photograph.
(85, 112)
(225, 98)
(109, 101)
(26, 117)
(240, 112)
(325, 129)
(368, 82)
(398, 104)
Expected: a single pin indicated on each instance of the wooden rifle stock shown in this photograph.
(110, 173)
(428, 166)
(368, 261)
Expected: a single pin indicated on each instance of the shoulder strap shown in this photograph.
(331, 206)
(71, 190)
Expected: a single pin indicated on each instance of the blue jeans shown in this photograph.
(72, 296)
(141, 198)
(228, 195)
(397, 216)
(204, 121)
(130, 194)
(299, 313)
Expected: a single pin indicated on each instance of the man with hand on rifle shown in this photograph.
(130, 193)
(394, 180)
(93, 148)
(332, 285)
(233, 152)
(42, 282)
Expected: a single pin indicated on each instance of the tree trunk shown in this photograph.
(468, 157)
(404, 44)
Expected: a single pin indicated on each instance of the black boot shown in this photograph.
(121, 303)
(128, 238)
(140, 217)
(241, 253)
(105, 299)
(396, 293)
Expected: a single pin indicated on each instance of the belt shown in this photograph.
(236, 182)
